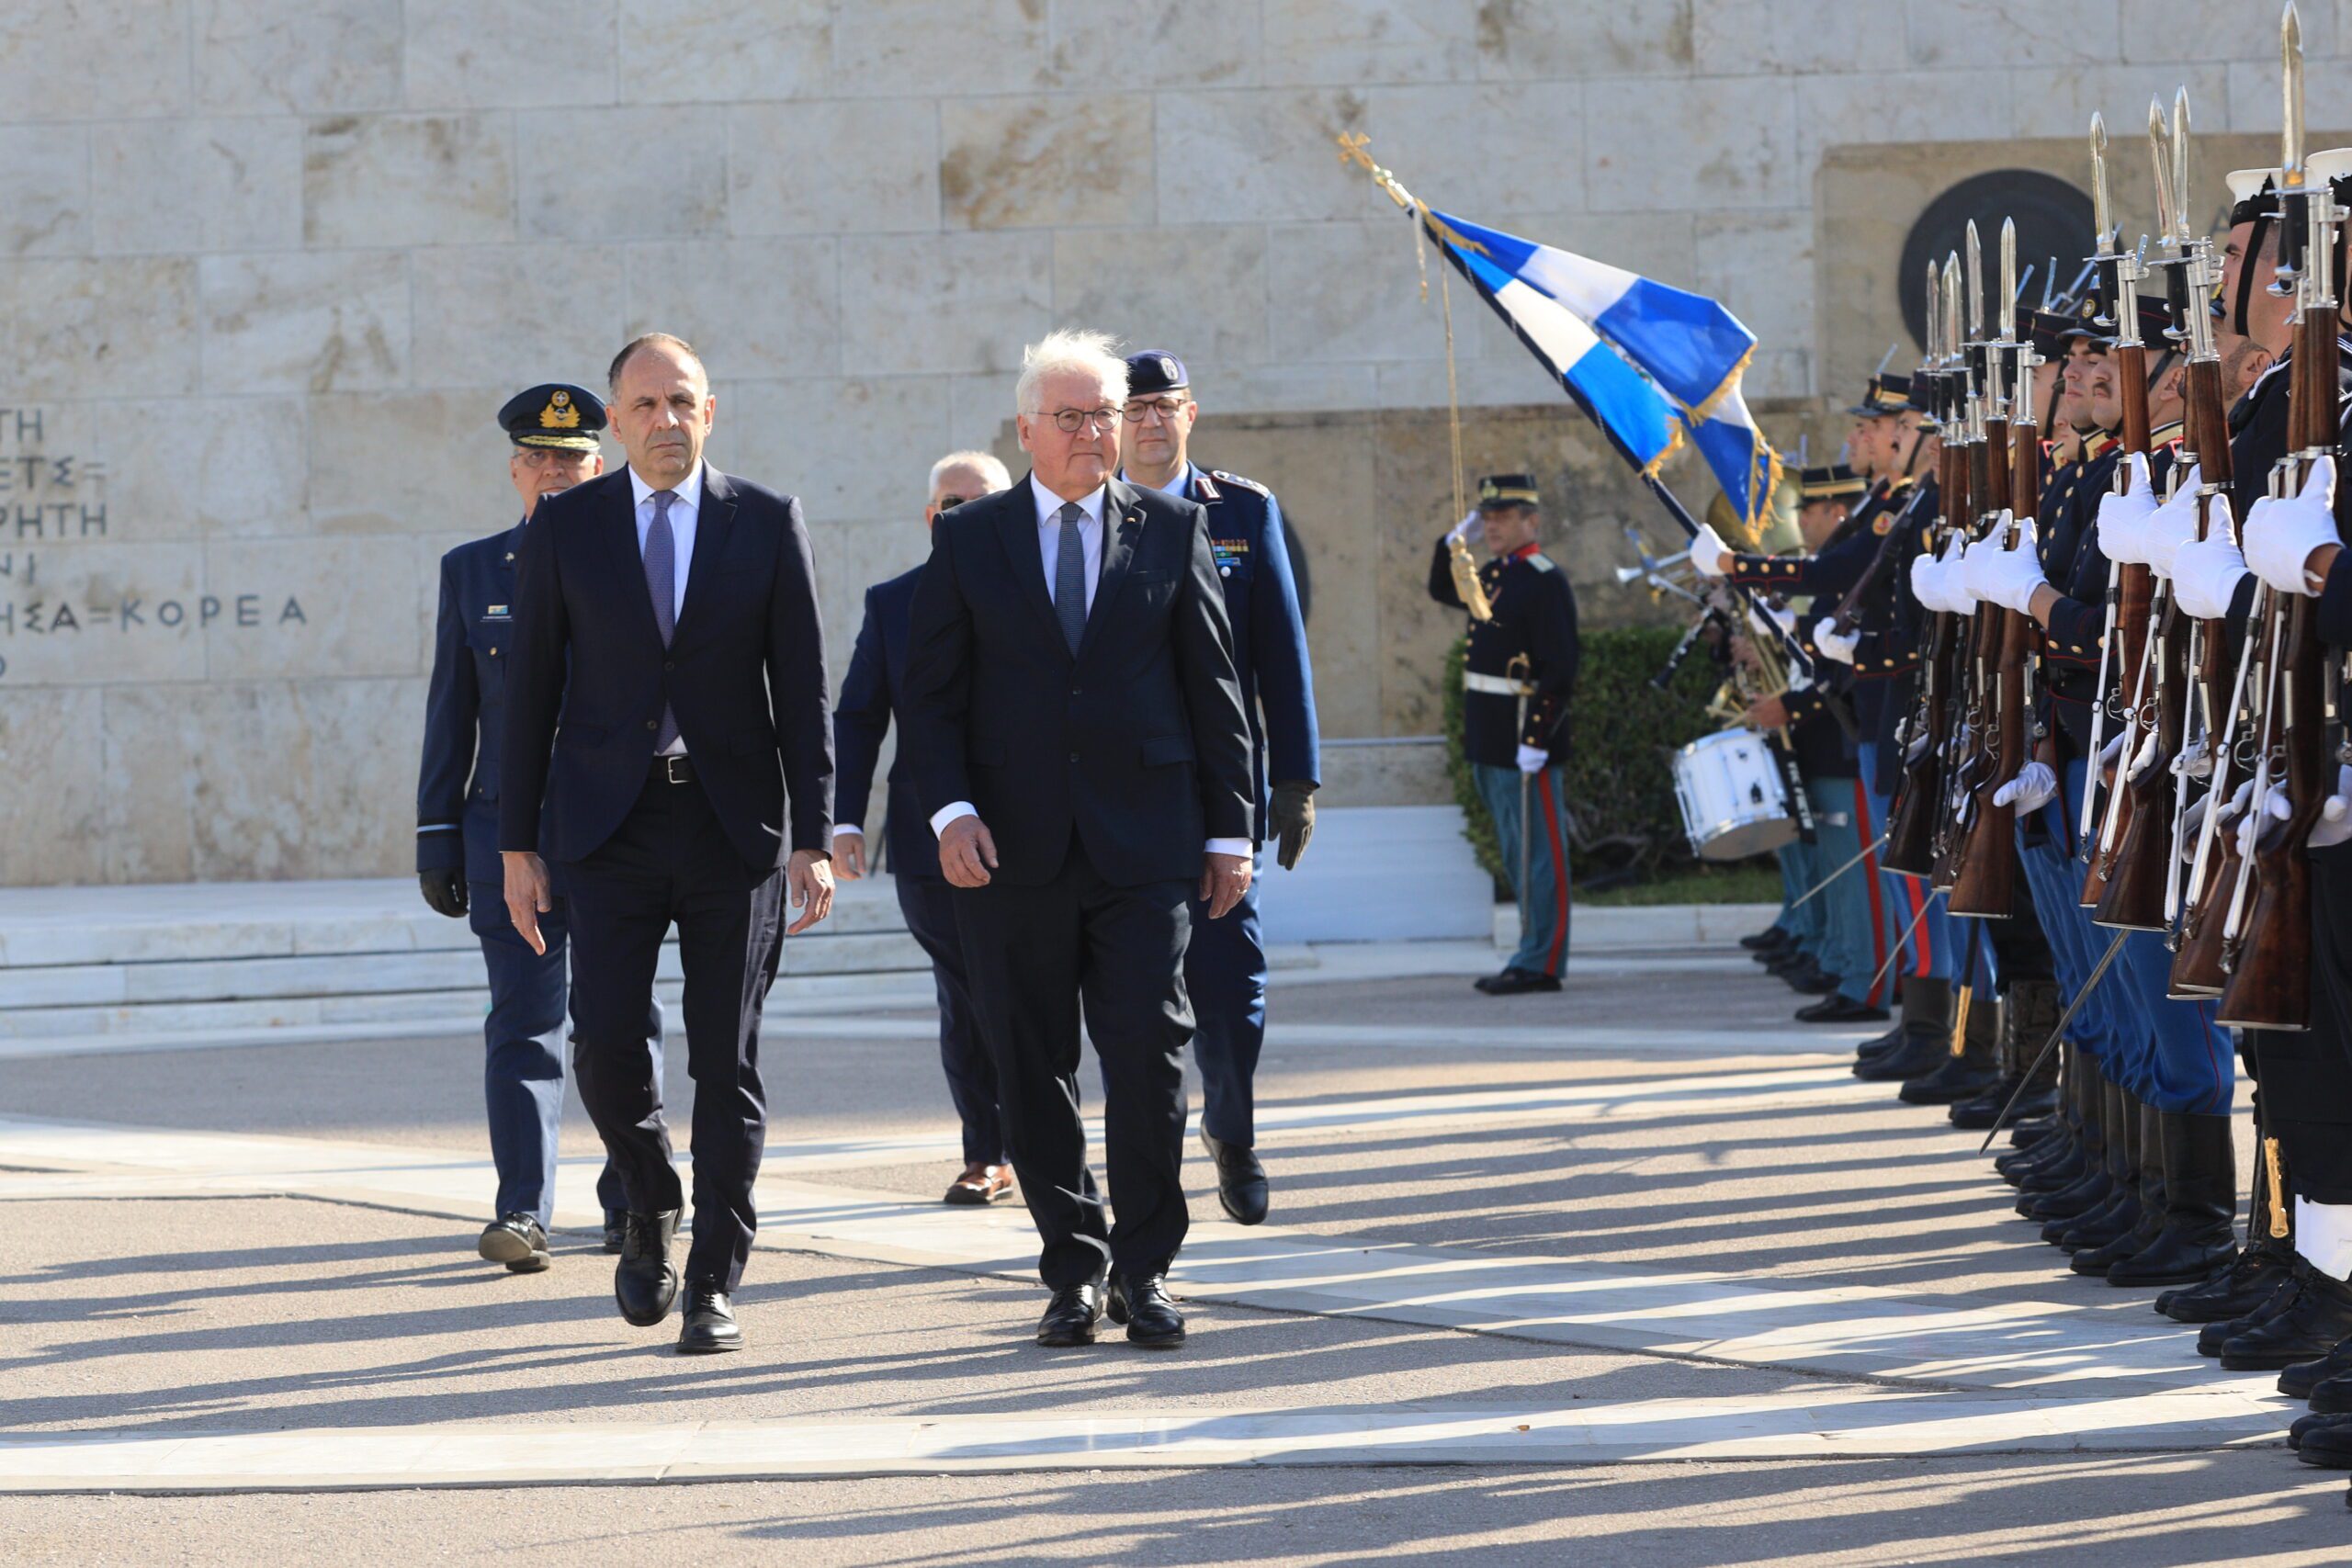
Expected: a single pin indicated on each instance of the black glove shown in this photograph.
(1293, 821)
(444, 890)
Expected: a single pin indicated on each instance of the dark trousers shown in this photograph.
(522, 1075)
(1225, 973)
(1034, 955)
(2307, 1077)
(928, 905)
(671, 862)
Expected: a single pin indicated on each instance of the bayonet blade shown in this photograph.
(1935, 344)
(2009, 301)
(1952, 306)
(2160, 151)
(2181, 192)
(1975, 283)
(2102, 214)
(2290, 78)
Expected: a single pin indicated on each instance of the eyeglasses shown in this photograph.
(945, 501)
(540, 457)
(1166, 408)
(1074, 420)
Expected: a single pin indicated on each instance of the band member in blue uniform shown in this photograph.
(869, 699)
(1527, 646)
(554, 429)
(1225, 967)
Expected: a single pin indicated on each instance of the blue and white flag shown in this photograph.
(1649, 363)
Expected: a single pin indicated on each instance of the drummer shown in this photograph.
(1843, 965)
(1520, 668)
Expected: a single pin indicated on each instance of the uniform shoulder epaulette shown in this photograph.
(1543, 562)
(1237, 480)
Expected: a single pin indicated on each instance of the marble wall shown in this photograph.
(268, 267)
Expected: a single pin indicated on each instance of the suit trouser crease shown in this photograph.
(1037, 956)
(928, 905)
(671, 862)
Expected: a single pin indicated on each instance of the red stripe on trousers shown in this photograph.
(1559, 876)
(1911, 891)
(1878, 910)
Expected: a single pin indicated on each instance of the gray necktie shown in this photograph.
(1069, 578)
(661, 581)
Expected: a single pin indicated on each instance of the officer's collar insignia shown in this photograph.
(1203, 487)
(558, 414)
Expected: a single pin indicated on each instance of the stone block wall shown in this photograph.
(268, 267)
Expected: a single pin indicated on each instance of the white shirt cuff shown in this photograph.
(1242, 847)
(840, 829)
(949, 813)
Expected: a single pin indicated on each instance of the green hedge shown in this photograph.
(1622, 733)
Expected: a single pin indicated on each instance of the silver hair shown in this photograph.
(1071, 349)
(984, 464)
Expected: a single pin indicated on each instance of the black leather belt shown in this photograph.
(673, 769)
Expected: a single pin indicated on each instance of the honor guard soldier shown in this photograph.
(1516, 678)
(554, 430)
(1224, 967)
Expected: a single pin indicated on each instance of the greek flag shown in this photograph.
(1651, 365)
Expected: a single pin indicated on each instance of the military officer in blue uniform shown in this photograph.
(861, 719)
(1224, 967)
(1527, 646)
(554, 430)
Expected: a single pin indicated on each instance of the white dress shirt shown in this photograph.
(1049, 546)
(685, 506)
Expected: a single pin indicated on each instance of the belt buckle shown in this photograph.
(670, 770)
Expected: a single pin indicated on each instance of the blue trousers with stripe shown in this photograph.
(1543, 902)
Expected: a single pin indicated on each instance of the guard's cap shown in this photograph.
(1497, 491)
(1151, 373)
(2253, 193)
(1885, 394)
(1830, 483)
(556, 414)
(2082, 321)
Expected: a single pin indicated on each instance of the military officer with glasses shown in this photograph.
(1224, 967)
(554, 431)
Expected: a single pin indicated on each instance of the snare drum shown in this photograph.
(1733, 803)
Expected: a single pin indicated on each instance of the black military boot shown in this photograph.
(2314, 1322)
(2302, 1380)
(2024, 1032)
(2148, 1156)
(2120, 1209)
(2284, 1289)
(2061, 1158)
(1974, 1065)
(2058, 1211)
(2265, 1261)
(2048, 1193)
(1927, 1034)
(2196, 1237)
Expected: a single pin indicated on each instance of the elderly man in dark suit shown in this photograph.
(1076, 729)
(869, 696)
(682, 603)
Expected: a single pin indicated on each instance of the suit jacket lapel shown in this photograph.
(1016, 526)
(618, 527)
(1121, 526)
(713, 523)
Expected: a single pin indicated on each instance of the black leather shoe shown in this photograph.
(1955, 1079)
(643, 1281)
(2233, 1293)
(1919, 1054)
(2333, 1396)
(2214, 1335)
(1240, 1179)
(2301, 1380)
(615, 1230)
(2306, 1425)
(1812, 980)
(1771, 939)
(517, 1241)
(1145, 1307)
(1071, 1315)
(709, 1322)
(2315, 1322)
(1515, 982)
(2327, 1443)
(2200, 1203)
(1839, 1008)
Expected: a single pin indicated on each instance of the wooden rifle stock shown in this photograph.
(2270, 986)
(2197, 959)
(2136, 587)
(1911, 821)
(1986, 883)
(1979, 650)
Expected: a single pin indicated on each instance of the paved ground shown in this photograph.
(1636, 1274)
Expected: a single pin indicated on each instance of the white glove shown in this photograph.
(1533, 759)
(1951, 577)
(2335, 824)
(2206, 574)
(1925, 585)
(2111, 750)
(2281, 534)
(2123, 520)
(2274, 805)
(1462, 529)
(2195, 761)
(2034, 787)
(2004, 577)
(1834, 644)
(2174, 525)
(1707, 552)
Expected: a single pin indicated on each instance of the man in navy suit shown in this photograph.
(666, 620)
(1225, 967)
(554, 430)
(869, 696)
(1076, 732)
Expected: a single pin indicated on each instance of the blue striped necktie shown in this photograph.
(661, 581)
